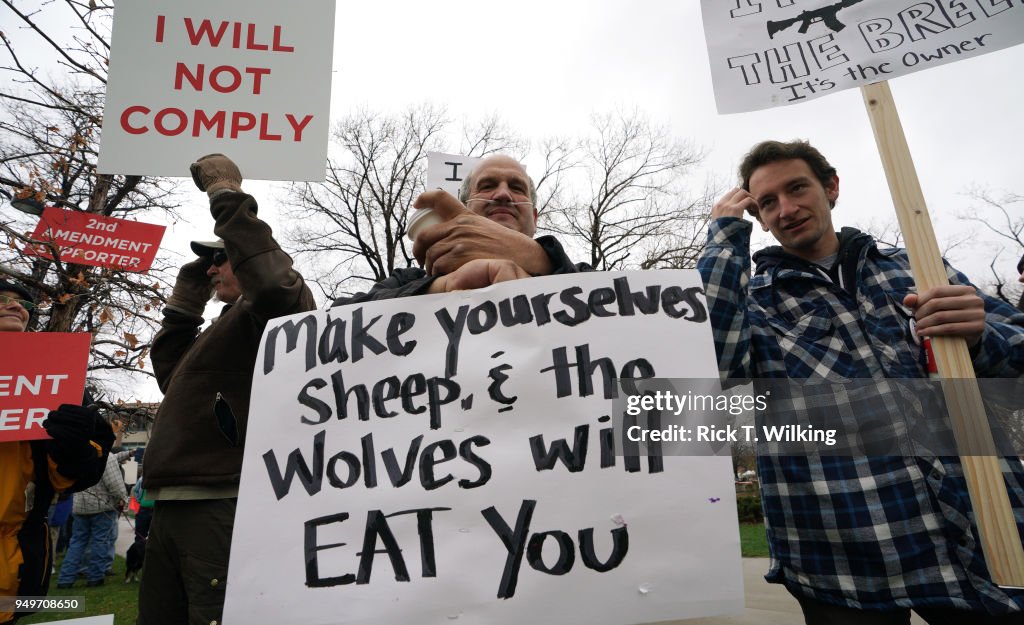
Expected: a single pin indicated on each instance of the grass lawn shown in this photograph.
(753, 542)
(113, 597)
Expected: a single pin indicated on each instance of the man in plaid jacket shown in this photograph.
(856, 539)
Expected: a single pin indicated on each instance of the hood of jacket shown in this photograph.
(851, 243)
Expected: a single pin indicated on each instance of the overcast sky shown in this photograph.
(545, 66)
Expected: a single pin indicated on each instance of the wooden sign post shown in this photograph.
(1000, 541)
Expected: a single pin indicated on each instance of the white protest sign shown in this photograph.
(767, 53)
(408, 461)
(251, 80)
(447, 171)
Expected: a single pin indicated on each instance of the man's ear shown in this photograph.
(832, 191)
(757, 215)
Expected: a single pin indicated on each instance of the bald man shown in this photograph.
(486, 237)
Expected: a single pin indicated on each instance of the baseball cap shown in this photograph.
(207, 248)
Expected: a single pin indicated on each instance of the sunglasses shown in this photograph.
(6, 300)
(219, 258)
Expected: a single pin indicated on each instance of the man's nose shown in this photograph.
(502, 193)
(787, 207)
(211, 271)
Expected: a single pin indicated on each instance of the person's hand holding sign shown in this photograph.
(949, 310)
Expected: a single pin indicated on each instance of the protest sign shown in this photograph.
(767, 53)
(447, 171)
(191, 77)
(451, 458)
(88, 239)
(39, 372)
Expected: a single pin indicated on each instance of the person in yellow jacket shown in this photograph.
(33, 472)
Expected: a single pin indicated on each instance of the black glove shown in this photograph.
(81, 440)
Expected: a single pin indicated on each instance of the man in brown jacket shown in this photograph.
(194, 458)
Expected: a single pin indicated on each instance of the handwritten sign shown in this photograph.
(447, 171)
(89, 239)
(39, 372)
(191, 77)
(767, 53)
(451, 458)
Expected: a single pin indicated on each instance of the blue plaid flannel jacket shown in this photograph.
(864, 532)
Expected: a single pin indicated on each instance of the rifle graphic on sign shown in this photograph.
(827, 15)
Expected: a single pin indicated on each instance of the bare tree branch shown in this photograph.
(49, 128)
(1002, 216)
(634, 212)
(353, 224)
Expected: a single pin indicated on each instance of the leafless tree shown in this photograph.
(353, 223)
(635, 211)
(887, 233)
(1002, 216)
(681, 248)
(560, 156)
(49, 131)
(490, 135)
(352, 226)
(630, 208)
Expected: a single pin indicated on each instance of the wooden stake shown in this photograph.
(1000, 540)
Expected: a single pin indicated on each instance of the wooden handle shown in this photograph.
(1000, 540)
